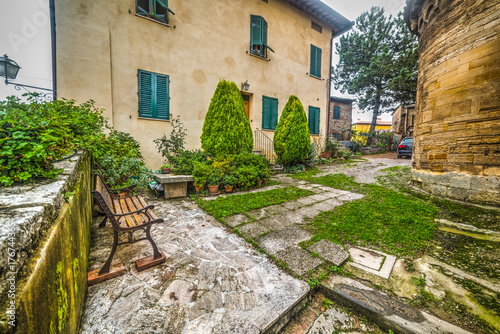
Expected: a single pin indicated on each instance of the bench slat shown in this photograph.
(138, 205)
(143, 202)
(129, 219)
(133, 207)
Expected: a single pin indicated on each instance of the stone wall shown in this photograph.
(457, 135)
(44, 245)
(341, 126)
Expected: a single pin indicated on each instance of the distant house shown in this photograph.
(403, 121)
(340, 118)
(144, 65)
(364, 126)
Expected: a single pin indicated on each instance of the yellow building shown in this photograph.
(143, 64)
(361, 128)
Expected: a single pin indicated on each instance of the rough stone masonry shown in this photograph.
(457, 135)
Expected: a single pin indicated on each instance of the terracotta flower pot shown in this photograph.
(213, 189)
(199, 189)
(327, 155)
(165, 170)
(259, 182)
(229, 188)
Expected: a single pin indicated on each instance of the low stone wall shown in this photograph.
(461, 186)
(44, 245)
(371, 150)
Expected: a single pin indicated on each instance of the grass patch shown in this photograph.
(230, 205)
(384, 218)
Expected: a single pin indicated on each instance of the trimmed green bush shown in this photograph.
(291, 137)
(226, 129)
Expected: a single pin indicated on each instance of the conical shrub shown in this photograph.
(291, 137)
(226, 129)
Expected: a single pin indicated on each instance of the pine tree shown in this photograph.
(226, 129)
(291, 138)
(380, 58)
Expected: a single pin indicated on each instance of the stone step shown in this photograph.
(388, 313)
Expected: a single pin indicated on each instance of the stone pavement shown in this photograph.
(212, 281)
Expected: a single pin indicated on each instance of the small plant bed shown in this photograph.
(230, 205)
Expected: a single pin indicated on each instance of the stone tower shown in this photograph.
(457, 134)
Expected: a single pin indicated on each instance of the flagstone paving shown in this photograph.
(212, 282)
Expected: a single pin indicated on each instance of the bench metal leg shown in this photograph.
(156, 253)
(105, 268)
(103, 223)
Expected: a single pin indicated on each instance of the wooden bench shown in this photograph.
(127, 213)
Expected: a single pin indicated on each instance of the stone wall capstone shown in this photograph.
(44, 246)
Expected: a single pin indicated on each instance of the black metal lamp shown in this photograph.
(9, 69)
(244, 86)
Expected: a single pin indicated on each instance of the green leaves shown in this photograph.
(226, 129)
(291, 138)
(380, 58)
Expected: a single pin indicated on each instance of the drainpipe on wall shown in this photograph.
(53, 45)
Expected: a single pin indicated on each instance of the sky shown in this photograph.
(25, 37)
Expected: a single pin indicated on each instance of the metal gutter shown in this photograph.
(53, 46)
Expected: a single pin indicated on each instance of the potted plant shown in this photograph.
(213, 182)
(229, 181)
(263, 175)
(201, 173)
(330, 148)
(165, 169)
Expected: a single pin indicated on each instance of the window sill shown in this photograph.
(152, 20)
(272, 130)
(153, 119)
(259, 57)
(315, 77)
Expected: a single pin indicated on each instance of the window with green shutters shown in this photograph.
(315, 69)
(313, 120)
(269, 113)
(155, 9)
(258, 36)
(153, 95)
(336, 112)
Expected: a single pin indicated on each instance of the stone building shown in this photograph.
(340, 118)
(142, 63)
(403, 121)
(457, 134)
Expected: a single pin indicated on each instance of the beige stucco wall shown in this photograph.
(101, 45)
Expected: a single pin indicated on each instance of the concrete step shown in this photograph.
(388, 313)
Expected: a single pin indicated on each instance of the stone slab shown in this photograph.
(299, 260)
(330, 251)
(279, 240)
(170, 178)
(368, 260)
(388, 313)
(276, 222)
(235, 220)
(174, 190)
(252, 230)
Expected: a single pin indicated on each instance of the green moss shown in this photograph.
(76, 274)
(62, 299)
(479, 257)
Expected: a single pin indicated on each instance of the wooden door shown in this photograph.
(246, 102)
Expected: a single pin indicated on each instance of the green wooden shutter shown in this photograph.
(316, 120)
(255, 29)
(312, 68)
(336, 112)
(274, 113)
(310, 119)
(266, 113)
(318, 62)
(162, 96)
(145, 94)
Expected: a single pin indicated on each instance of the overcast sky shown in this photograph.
(25, 37)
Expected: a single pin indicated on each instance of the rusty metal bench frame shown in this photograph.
(127, 213)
